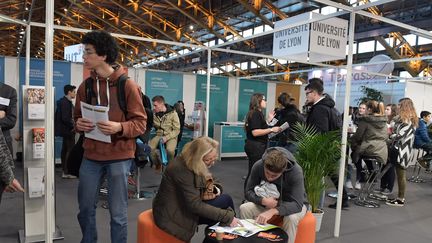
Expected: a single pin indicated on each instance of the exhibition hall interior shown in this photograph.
(149, 121)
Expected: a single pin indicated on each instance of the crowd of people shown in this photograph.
(188, 194)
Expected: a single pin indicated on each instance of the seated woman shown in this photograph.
(180, 204)
(371, 136)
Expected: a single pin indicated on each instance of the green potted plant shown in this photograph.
(318, 154)
(370, 94)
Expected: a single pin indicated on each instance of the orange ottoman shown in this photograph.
(305, 229)
(148, 232)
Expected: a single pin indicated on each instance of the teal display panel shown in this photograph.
(233, 139)
(218, 98)
(247, 89)
(169, 85)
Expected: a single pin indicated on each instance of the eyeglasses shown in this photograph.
(88, 52)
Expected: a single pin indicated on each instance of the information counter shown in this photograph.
(231, 137)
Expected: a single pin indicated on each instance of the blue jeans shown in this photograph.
(223, 201)
(90, 176)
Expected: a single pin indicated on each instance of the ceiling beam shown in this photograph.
(132, 46)
(266, 69)
(196, 5)
(275, 9)
(179, 31)
(198, 22)
(256, 12)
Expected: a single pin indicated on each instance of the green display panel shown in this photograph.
(169, 85)
(233, 139)
(247, 89)
(218, 98)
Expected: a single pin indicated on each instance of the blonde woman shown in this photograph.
(180, 204)
(403, 137)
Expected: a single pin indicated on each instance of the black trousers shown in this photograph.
(223, 201)
(254, 151)
(68, 143)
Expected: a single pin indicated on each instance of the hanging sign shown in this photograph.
(318, 41)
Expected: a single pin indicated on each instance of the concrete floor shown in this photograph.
(411, 223)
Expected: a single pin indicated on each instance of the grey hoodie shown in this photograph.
(290, 185)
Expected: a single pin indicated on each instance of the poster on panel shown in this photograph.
(247, 89)
(169, 85)
(218, 98)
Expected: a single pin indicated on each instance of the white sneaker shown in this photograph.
(357, 185)
(348, 184)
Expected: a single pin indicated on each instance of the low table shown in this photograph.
(252, 239)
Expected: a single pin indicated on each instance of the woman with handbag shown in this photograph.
(187, 195)
(401, 147)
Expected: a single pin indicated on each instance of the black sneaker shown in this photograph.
(396, 202)
(344, 205)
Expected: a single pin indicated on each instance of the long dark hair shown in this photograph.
(284, 99)
(393, 108)
(254, 105)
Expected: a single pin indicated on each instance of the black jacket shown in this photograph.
(291, 115)
(8, 122)
(64, 121)
(319, 114)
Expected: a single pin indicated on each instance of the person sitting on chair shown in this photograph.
(276, 187)
(422, 139)
(370, 139)
(167, 125)
(184, 200)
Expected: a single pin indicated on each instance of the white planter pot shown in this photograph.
(318, 217)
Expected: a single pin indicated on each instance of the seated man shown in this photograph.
(276, 187)
(167, 125)
(422, 139)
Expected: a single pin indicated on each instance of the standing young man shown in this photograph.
(111, 159)
(65, 126)
(276, 187)
(319, 116)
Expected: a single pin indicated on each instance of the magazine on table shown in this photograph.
(248, 228)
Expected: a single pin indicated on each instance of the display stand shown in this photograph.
(198, 119)
(34, 199)
(231, 137)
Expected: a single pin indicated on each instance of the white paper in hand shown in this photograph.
(284, 127)
(95, 114)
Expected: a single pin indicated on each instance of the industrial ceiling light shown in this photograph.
(191, 27)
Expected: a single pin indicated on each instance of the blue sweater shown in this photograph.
(421, 135)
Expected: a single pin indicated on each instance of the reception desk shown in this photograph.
(231, 137)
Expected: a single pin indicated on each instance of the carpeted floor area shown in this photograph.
(411, 223)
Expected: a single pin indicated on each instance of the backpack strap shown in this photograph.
(89, 90)
(121, 96)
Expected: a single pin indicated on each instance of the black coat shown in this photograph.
(319, 114)
(64, 125)
(8, 122)
(291, 115)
